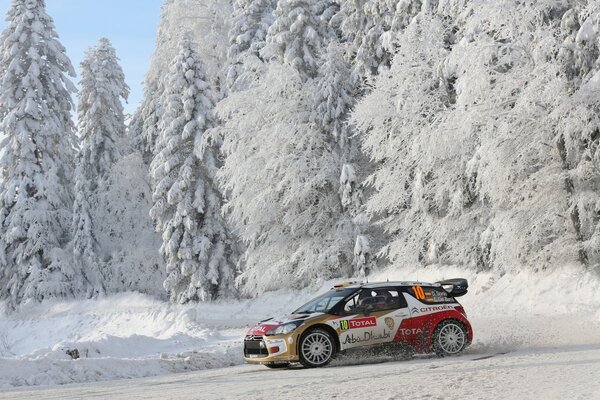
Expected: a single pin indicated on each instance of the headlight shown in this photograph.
(284, 329)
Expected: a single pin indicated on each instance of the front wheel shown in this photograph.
(317, 348)
(449, 338)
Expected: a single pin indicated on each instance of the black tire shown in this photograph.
(449, 338)
(316, 348)
(277, 366)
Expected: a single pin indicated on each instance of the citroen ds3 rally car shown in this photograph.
(422, 317)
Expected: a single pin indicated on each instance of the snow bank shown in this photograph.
(126, 336)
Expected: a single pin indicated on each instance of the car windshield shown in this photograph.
(326, 302)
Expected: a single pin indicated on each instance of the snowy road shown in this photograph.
(569, 372)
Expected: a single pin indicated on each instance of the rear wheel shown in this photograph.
(317, 348)
(449, 338)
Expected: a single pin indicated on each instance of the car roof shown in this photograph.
(373, 285)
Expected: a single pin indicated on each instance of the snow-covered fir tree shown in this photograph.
(37, 157)
(247, 36)
(197, 247)
(464, 177)
(101, 129)
(335, 95)
(281, 177)
(126, 234)
(145, 124)
(578, 126)
(298, 35)
(208, 21)
(371, 26)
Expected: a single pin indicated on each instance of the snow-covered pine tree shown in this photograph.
(37, 157)
(298, 35)
(371, 26)
(101, 129)
(247, 36)
(281, 175)
(126, 232)
(336, 91)
(208, 21)
(197, 247)
(145, 126)
(578, 126)
(464, 177)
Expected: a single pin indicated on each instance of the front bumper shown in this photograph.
(271, 349)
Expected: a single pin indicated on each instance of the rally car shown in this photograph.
(423, 317)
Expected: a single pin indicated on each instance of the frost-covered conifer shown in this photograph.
(37, 157)
(371, 27)
(464, 177)
(208, 21)
(199, 253)
(298, 35)
(281, 176)
(336, 91)
(125, 234)
(101, 129)
(147, 119)
(578, 126)
(247, 36)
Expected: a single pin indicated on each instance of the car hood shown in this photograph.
(265, 326)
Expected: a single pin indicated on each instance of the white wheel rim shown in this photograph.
(317, 348)
(451, 338)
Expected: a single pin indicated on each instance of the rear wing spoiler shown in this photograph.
(455, 287)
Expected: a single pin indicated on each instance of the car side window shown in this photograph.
(379, 299)
(350, 307)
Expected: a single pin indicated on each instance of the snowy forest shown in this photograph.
(284, 143)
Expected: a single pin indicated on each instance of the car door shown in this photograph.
(372, 316)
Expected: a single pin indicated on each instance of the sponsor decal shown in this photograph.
(366, 337)
(358, 323)
(435, 308)
(414, 310)
(363, 322)
(413, 331)
(260, 329)
(389, 322)
(419, 293)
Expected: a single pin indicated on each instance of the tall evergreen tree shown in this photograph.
(370, 27)
(247, 36)
(199, 253)
(281, 173)
(145, 124)
(335, 95)
(37, 156)
(299, 35)
(101, 130)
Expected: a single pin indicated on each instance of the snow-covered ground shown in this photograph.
(569, 372)
(125, 336)
(545, 323)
